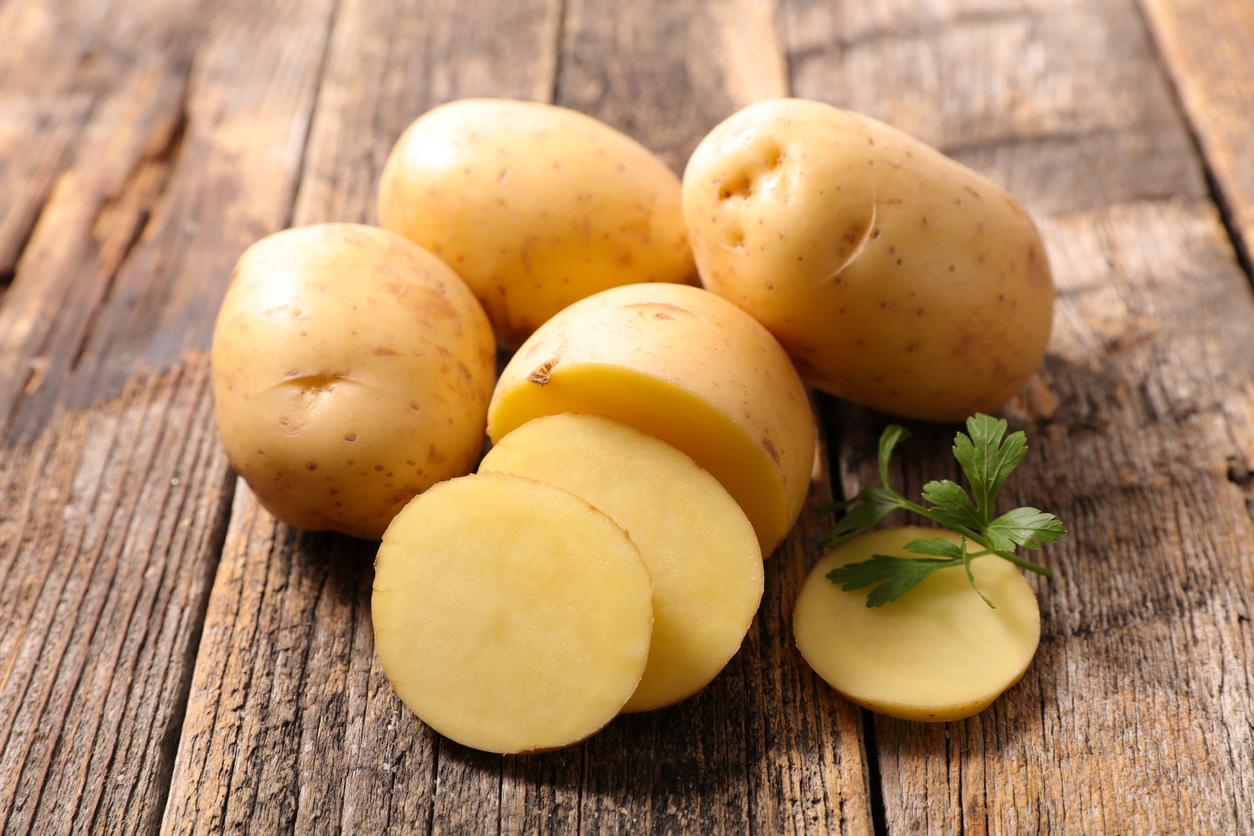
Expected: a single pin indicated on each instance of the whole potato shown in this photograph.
(534, 206)
(892, 275)
(351, 371)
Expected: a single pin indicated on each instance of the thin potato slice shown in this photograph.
(938, 653)
(510, 615)
(699, 546)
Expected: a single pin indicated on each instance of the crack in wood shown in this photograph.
(58, 125)
(875, 775)
(123, 217)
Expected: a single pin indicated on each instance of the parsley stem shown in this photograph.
(1022, 563)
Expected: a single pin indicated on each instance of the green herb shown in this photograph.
(987, 457)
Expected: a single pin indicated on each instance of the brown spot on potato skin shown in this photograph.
(1038, 269)
(542, 372)
(769, 447)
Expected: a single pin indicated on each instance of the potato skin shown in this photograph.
(351, 371)
(535, 206)
(893, 276)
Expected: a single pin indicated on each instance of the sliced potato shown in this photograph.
(699, 546)
(937, 653)
(688, 367)
(510, 615)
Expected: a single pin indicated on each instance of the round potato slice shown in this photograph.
(937, 653)
(688, 367)
(510, 615)
(699, 546)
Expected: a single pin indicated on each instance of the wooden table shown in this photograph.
(173, 659)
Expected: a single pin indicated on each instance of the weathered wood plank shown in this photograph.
(1206, 50)
(667, 73)
(170, 135)
(709, 762)
(291, 725)
(113, 489)
(1061, 103)
(1136, 714)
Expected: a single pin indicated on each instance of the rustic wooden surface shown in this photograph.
(171, 659)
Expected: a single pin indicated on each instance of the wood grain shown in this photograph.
(666, 73)
(113, 491)
(291, 725)
(1135, 715)
(728, 759)
(1206, 52)
(172, 658)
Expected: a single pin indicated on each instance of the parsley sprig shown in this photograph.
(987, 457)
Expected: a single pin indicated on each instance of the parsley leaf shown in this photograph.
(893, 576)
(936, 547)
(1028, 527)
(953, 508)
(871, 505)
(987, 457)
(986, 460)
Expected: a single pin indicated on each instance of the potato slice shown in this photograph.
(937, 653)
(686, 366)
(698, 544)
(510, 615)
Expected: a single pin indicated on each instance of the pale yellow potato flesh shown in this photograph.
(937, 653)
(688, 367)
(893, 276)
(351, 371)
(534, 206)
(510, 615)
(699, 546)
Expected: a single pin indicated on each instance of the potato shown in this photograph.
(510, 615)
(534, 206)
(892, 275)
(699, 547)
(686, 366)
(351, 371)
(937, 653)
